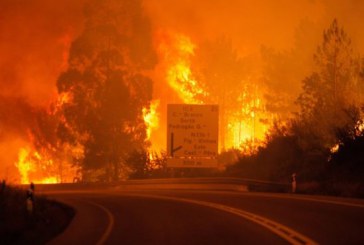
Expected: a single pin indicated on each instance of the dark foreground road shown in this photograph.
(209, 217)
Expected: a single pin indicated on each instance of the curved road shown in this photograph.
(209, 217)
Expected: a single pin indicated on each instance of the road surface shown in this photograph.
(171, 216)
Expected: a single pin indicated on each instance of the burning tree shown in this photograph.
(228, 81)
(106, 86)
(42, 158)
(213, 73)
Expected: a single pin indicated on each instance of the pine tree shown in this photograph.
(331, 90)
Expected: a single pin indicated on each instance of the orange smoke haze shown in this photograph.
(34, 40)
(34, 43)
(35, 37)
(251, 24)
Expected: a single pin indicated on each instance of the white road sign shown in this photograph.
(192, 135)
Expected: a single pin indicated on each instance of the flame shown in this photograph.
(176, 51)
(335, 148)
(245, 123)
(29, 168)
(23, 166)
(64, 98)
(151, 117)
(50, 180)
(44, 168)
(249, 122)
(49, 163)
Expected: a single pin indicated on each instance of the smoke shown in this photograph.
(251, 24)
(34, 40)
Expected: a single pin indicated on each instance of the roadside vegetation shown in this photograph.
(322, 142)
(17, 226)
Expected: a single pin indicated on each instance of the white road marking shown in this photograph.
(282, 231)
(110, 225)
(279, 229)
(319, 199)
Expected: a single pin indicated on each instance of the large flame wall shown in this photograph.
(35, 37)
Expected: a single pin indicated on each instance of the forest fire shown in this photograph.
(248, 125)
(33, 168)
(48, 164)
(244, 121)
(94, 87)
(241, 125)
(45, 168)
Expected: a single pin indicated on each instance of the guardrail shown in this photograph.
(250, 184)
(218, 183)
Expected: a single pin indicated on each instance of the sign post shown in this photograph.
(192, 135)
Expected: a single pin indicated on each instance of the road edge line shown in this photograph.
(110, 225)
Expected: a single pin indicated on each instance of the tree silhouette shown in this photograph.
(106, 86)
(332, 88)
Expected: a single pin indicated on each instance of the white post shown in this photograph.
(294, 183)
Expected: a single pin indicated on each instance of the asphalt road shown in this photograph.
(209, 217)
